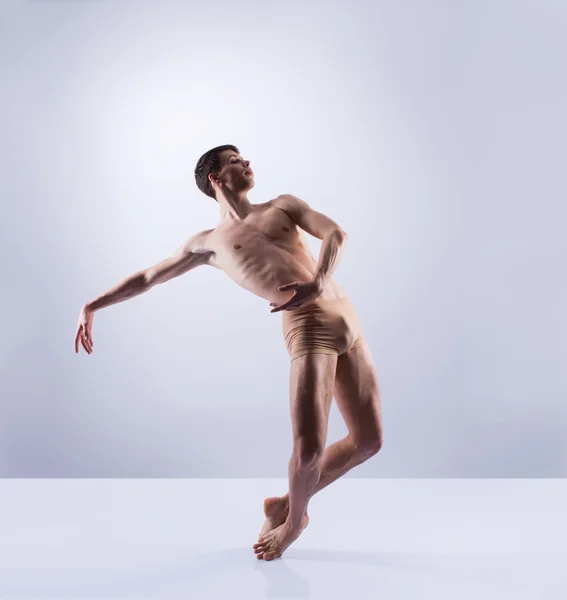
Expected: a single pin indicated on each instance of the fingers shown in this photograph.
(85, 340)
(87, 332)
(288, 305)
(288, 286)
(281, 306)
(86, 345)
(293, 302)
(88, 342)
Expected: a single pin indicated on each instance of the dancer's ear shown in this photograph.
(215, 180)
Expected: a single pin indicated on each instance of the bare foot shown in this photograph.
(276, 510)
(274, 543)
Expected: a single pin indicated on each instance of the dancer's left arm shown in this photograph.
(333, 243)
(317, 224)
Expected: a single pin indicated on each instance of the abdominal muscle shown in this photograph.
(262, 271)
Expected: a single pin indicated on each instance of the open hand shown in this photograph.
(85, 330)
(304, 293)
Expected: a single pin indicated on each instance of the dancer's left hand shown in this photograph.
(304, 293)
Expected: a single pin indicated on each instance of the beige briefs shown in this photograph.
(322, 327)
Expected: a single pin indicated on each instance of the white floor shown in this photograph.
(367, 538)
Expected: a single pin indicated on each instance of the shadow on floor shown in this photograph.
(204, 574)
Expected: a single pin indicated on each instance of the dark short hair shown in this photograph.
(210, 163)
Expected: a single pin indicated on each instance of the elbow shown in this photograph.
(149, 280)
(341, 234)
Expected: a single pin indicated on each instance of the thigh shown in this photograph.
(358, 395)
(312, 380)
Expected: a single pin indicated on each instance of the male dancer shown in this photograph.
(263, 249)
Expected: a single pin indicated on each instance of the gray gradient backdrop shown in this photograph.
(433, 132)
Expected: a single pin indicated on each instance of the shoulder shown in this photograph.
(290, 204)
(199, 242)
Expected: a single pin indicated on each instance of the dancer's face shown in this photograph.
(235, 172)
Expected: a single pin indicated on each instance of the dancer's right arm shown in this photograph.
(189, 255)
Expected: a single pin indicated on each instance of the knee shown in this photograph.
(370, 446)
(307, 452)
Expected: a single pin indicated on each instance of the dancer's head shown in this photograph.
(223, 165)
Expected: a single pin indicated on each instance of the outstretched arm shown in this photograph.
(188, 256)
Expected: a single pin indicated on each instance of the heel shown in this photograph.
(273, 506)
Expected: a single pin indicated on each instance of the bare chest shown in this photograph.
(266, 230)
